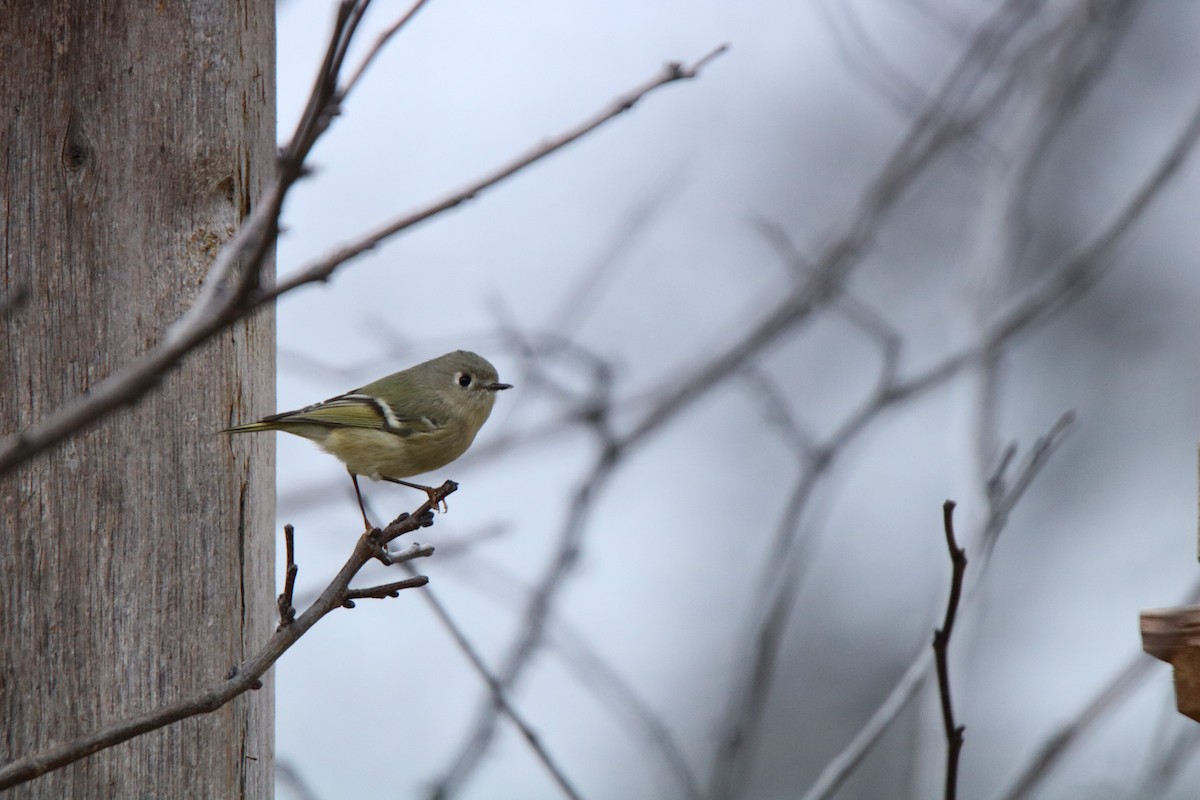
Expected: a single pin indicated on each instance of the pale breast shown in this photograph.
(374, 453)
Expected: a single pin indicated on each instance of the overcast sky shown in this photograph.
(787, 128)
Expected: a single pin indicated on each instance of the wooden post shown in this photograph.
(1173, 635)
(136, 559)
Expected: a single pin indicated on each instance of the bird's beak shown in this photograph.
(496, 387)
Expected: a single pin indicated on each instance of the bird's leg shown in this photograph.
(429, 491)
(361, 508)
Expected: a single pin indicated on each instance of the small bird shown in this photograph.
(413, 421)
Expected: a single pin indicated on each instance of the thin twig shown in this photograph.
(382, 591)
(590, 668)
(499, 696)
(941, 647)
(749, 699)
(966, 99)
(378, 46)
(321, 269)
(742, 724)
(843, 764)
(287, 611)
(538, 612)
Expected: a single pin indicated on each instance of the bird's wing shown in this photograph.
(357, 411)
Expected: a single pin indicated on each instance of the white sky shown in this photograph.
(372, 702)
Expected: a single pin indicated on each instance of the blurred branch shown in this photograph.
(1067, 282)
(588, 665)
(245, 676)
(321, 269)
(1063, 74)
(499, 697)
(1136, 670)
(589, 289)
(1118, 689)
(959, 111)
(841, 766)
(606, 685)
(967, 98)
(865, 58)
(543, 356)
(16, 297)
(380, 42)
(952, 23)
(952, 114)
(780, 584)
(743, 718)
(941, 648)
(289, 775)
(890, 389)
(743, 715)
(1080, 270)
(1171, 755)
(536, 616)
(540, 602)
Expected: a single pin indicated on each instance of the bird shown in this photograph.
(411, 422)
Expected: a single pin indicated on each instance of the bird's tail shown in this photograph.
(250, 427)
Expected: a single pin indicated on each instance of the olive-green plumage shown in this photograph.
(413, 421)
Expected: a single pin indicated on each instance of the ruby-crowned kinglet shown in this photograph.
(413, 421)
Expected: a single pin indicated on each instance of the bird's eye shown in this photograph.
(464, 380)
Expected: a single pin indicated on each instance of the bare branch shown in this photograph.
(941, 650)
(382, 591)
(743, 718)
(322, 269)
(287, 611)
(499, 696)
(380, 42)
(1080, 270)
(842, 765)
